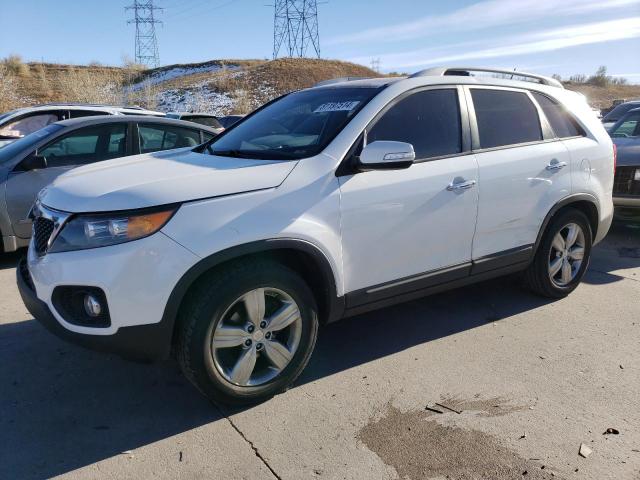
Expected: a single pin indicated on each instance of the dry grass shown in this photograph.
(249, 83)
(602, 97)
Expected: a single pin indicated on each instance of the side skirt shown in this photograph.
(422, 285)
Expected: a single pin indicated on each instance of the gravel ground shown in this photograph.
(522, 382)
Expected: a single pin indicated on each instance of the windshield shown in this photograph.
(7, 114)
(617, 113)
(9, 151)
(296, 126)
(629, 126)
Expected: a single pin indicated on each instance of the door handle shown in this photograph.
(555, 165)
(454, 187)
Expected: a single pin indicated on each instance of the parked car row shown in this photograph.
(625, 133)
(23, 121)
(35, 160)
(325, 203)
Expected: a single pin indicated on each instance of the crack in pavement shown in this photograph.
(249, 442)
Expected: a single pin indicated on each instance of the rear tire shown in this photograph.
(225, 330)
(562, 257)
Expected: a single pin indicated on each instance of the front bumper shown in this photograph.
(137, 279)
(142, 343)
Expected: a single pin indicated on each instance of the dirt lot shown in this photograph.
(522, 382)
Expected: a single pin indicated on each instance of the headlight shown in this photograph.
(99, 230)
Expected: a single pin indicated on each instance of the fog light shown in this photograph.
(92, 306)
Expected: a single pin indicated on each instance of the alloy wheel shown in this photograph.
(257, 337)
(566, 254)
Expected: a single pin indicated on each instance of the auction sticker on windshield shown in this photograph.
(337, 107)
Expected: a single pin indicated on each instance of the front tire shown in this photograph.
(247, 331)
(562, 257)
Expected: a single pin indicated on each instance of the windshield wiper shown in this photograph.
(226, 153)
(253, 154)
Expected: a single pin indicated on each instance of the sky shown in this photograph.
(546, 36)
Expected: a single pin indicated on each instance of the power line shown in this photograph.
(295, 27)
(146, 49)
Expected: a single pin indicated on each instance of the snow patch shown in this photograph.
(176, 72)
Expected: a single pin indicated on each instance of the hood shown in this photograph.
(628, 151)
(160, 178)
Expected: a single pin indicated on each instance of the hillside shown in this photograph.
(218, 86)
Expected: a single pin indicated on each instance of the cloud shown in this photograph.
(484, 14)
(541, 41)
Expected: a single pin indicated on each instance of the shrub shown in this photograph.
(16, 66)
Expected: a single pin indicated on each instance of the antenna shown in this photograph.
(146, 41)
(295, 24)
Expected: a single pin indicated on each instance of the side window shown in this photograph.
(562, 123)
(154, 138)
(429, 120)
(209, 121)
(206, 136)
(87, 145)
(26, 125)
(505, 117)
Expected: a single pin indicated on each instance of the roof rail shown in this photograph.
(80, 104)
(465, 71)
(339, 80)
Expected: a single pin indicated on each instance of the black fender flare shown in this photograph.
(335, 307)
(566, 202)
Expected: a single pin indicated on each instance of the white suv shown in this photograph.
(324, 203)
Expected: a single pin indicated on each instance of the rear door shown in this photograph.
(80, 147)
(524, 170)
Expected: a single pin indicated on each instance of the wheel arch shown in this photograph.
(583, 202)
(302, 256)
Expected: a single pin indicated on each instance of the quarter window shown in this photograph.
(505, 118)
(154, 138)
(563, 125)
(429, 120)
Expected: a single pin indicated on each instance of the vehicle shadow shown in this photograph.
(63, 407)
(617, 256)
(10, 260)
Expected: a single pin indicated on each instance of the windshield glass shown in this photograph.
(629, 126)
(297, 126)
(7, 114)
(617, 113)
(9, 151)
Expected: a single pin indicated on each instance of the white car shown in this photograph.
(325, 203)
(18, 123)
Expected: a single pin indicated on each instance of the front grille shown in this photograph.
(624, 184)
(42, 231)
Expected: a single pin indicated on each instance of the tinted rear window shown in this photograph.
(562, 123)
(505, 118)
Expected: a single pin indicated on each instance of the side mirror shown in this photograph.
(34, 162)
(387, 155)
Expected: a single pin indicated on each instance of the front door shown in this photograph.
(403, 229)
(80, 147)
